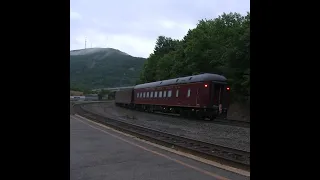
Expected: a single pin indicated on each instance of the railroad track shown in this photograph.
(224, 155)
(232, 122)
(229, 122)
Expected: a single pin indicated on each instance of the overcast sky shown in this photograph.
(132, 26)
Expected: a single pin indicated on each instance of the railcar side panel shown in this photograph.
(186, 95)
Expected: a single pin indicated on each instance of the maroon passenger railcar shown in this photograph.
(204, 95)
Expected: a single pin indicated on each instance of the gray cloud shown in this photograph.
(133, 26)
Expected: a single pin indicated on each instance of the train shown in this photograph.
(204, 96)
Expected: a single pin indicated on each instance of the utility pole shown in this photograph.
(85, 43)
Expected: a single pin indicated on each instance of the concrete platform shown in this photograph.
(101, 153)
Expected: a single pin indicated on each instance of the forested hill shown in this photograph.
(103, 67)
(220, 45)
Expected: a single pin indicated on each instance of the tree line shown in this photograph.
(220, 45)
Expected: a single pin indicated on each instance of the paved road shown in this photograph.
(100, 153)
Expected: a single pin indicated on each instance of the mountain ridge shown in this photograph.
(103, 67)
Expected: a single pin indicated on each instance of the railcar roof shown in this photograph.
(182, 80)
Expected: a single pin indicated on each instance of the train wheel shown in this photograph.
(183, 113)
(201, 115)
(212, 117)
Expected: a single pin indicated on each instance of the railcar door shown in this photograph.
(198, 97)
(217, 93)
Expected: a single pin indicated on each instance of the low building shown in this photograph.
(77, 98)
(91, 97)
(76, 93)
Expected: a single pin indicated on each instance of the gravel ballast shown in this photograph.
(230, 136)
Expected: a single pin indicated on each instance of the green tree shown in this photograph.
(102, 93)
(220, 45)
(155, 66)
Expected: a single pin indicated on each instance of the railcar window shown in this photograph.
(177, 93)
(189, 92)
(147, 94)
(140, 95)
(144, 94)
(160, 94)
(164, 93)
(169, 93)
(137, 95)
(156, 94)
(151, 94)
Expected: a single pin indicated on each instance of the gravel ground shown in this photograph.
(230, 136)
